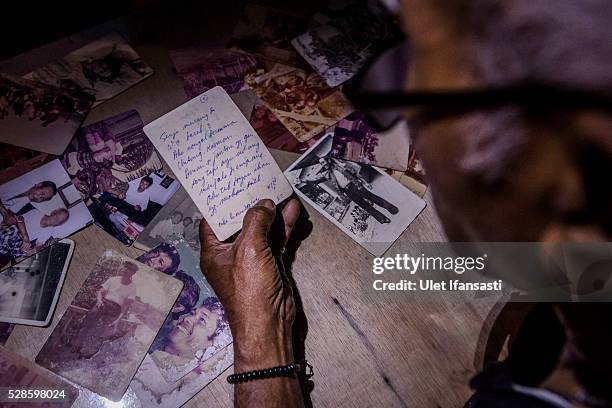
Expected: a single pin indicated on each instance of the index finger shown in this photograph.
(207, 236)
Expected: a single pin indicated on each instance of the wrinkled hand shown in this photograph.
(248, 277)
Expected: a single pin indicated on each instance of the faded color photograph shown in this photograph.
(125, 212)
(354, 140)
(301, 100)
(196, 328)
(38, 209)
(98, 71)
(17, 372)
(37, 116)
(109, 326)
(268, 33)
(107, 155)
(29, 290)
(153, 390)
(179, 219)
(363, 201)
(203, 69)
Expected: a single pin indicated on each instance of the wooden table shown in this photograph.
(365, 352)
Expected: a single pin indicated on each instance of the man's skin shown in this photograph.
(538, 197)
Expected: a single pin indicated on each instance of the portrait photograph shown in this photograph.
(30, 289)
(37, 116)
(98, 71)
(125, 212)
(106, 331)
(364, 202)
(196, 328)
(38, 209)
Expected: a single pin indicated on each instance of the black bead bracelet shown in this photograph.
(272, 372)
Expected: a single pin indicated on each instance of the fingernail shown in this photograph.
(267, 203)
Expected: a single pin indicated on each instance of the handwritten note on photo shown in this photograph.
(219, 159)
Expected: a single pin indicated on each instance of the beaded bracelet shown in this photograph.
(278, 371)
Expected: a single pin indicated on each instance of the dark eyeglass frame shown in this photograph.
(434, 104)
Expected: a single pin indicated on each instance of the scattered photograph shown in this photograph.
(268, 33)
(96, 72)
(414, 177)
(300, 99)
(364, 202)
(124, 213)
(153, 391)
(202, 69)
(16, 161)
(179, 219)
(5, 332)
(38, 209)
(37, 116)
(196, 328)
(17, 372)
(106, 331)
(29, 290)
(271, 131)
(354, 140)
(339, 48)
(107, 155)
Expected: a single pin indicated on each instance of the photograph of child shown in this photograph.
(196, 328)
(102, 338)
(38, 209)
(100, 70)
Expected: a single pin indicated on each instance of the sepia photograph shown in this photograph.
(106, 331)
(37, 116)
(38, 209)
(364, 202)
(98, 71)
(30, 289)
(196, 328)
(300, 99)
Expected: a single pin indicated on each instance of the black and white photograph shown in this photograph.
(363, 201)
(38, 209)
(29, 290)
(124, 213)
(98, 71)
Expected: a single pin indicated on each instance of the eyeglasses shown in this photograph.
(375, 91)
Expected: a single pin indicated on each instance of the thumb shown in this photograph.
(257, 222)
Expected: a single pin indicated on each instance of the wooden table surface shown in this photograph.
(365, 352)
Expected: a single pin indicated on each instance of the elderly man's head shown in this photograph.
(507, 173)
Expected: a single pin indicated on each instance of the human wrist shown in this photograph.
(257, 347)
